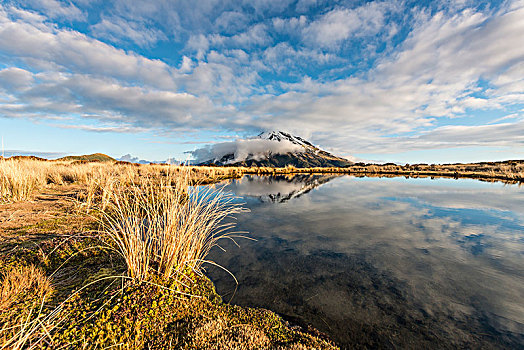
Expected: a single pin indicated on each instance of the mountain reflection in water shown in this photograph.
(384, 263)
(280, 188)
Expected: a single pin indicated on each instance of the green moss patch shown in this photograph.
(152, 315)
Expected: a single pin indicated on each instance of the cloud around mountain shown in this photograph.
(242, 149)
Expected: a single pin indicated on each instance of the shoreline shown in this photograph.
(511, 170)
(509, 178)
(407, 174)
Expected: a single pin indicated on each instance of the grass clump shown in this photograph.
(163, 227)
(18, 281)
(20, 177)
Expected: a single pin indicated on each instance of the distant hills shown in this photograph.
(95, 157)
(301, 154)
(24, 158)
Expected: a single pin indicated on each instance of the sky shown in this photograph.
(403, 81)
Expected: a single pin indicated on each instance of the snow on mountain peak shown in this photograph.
(284, 136)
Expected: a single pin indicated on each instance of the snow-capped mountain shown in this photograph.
(274, 148)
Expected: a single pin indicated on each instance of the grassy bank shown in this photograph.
(21, 177)
(512, 170)
(98, 255)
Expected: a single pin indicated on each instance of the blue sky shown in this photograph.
(406, 81)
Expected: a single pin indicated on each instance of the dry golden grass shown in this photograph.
(20, 280)
(20, 178)
(23, 292)
(512, 171)
(163, 226)
(157, 220)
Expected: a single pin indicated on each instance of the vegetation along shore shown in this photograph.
(507, 171)
(97, 253)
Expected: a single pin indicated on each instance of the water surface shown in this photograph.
(383, 262)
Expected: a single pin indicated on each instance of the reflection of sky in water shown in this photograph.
(384, 262)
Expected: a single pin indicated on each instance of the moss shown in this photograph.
(153, 315)
(106, 310)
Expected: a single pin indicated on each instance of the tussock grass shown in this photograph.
(163, 227)
(20, 178)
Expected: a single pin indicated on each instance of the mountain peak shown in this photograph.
(270, 148)
(281, 135)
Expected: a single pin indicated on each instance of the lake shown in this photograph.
(382, 262)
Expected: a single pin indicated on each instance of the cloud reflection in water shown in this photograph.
(384, 262)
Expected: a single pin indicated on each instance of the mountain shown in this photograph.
(278, 149)
(96, 157)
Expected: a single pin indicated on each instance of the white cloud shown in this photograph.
(220, 78)
(186, 66)
(493, 135)
(74, 51)
(101, 129)
(435, 74)
(255, 35)
(340, 24)
(453, 62)
(27, 16)
(112, 84)
(116, 29)
(198, 43)
(505, 134)
(305, 5)
(283, 56)
(129, 158)
(293, 25)
(244, 149)
(13, 78)
(269, 7)
(57, 9)
(230, 22)
(108, 101)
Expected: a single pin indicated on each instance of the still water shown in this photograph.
(382, 262)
